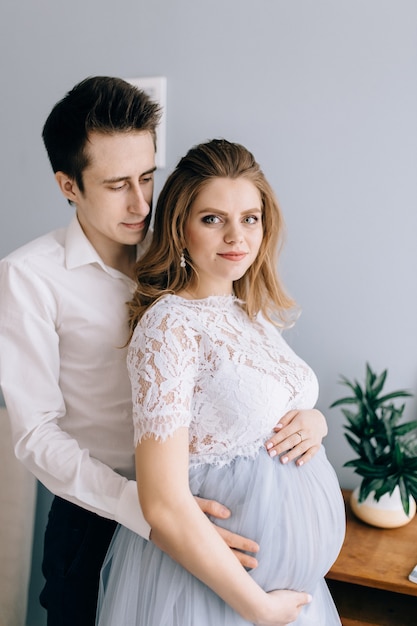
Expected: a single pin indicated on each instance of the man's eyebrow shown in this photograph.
(119, 179)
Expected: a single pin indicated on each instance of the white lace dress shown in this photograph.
(204, 365)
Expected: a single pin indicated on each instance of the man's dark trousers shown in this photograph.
(76, 542)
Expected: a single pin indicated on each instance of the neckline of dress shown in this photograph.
(213, 300)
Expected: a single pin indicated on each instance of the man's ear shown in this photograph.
(68, 186)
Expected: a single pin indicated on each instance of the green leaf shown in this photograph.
(394, 394)
(405, 428)
(412, 487)
(368, 450)
(367, 469)
(348, 400)
(411, 484)
(366, 488)
(352, 418)
(379, 383)
(356, 446)
(370, 377)
(398, 455)
(405, 496)
(410, 465)
(385, 486)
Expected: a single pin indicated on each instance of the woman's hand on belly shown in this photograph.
(299, 435)
(283, 607)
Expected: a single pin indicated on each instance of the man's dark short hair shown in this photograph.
(102, 104)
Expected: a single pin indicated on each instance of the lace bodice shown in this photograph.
(203, 364)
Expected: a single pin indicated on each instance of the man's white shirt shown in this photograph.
(63, 325)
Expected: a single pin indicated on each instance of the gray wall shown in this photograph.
(323, 92)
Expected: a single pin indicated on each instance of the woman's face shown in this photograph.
(223, 233)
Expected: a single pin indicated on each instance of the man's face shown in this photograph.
(114, 209)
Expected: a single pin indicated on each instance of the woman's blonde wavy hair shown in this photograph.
(159, 272)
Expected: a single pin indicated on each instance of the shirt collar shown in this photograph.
(79, 251)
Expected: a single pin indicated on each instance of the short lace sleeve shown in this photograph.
(162, 363)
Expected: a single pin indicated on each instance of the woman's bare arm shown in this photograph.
(181, 529)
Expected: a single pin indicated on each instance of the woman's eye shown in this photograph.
(251, 219)
(211, 219)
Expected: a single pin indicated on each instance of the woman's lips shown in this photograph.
(233, 256)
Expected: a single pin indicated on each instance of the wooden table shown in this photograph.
(369, 581)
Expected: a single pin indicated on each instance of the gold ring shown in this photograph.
(300, 435)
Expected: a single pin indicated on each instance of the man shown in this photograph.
(63, 325)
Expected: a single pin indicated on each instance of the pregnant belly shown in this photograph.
(296, 515)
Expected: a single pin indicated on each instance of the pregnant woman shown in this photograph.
(211, 374)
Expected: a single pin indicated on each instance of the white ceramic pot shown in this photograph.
(388, 512)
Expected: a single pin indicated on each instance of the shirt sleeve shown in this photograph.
(163, 366)
(29, 376)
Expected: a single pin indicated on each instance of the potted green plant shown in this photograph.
(386, 450)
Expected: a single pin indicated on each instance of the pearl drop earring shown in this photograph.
(182, 260)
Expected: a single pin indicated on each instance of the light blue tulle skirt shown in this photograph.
(296, 515)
